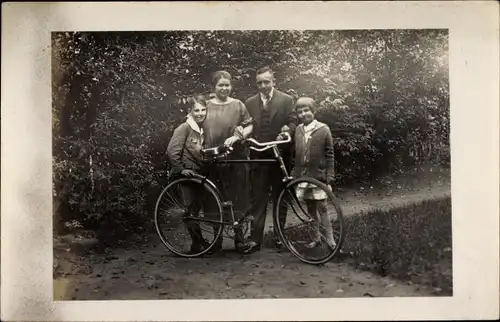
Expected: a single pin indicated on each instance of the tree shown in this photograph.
(117, 98)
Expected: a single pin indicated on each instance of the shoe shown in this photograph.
(199, 247)
(313, 244)
(332, 244)
(253, 247)
(217, 247)
(248, 247)
(196, 248)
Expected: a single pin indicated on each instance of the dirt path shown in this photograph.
(151, 272)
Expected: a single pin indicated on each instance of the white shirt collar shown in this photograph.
(311, 126)
(271, 93)
(192, 123)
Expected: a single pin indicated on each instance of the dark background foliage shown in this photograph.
(118, 96)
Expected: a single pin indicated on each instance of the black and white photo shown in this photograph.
(245, 159)
(168, 145)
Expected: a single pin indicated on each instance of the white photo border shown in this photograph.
(26, 213)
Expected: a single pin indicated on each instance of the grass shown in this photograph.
(410, 243)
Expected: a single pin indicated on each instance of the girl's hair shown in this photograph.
(199, 98)
(306, 101)
(218, 75)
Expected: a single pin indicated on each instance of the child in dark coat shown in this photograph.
(314, 157)
(185, 145)
(184, 155)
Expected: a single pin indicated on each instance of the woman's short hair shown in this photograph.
(306, 101)
(220, 74)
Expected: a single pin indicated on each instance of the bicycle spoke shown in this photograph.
(177, 203)
(298, 226)
(184, 227)
(308, 230)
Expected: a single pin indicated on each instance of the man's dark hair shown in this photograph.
(265, 69)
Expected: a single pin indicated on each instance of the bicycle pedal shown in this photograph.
(227, 204)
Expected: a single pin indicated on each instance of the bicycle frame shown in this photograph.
(219, 157)
(265, 146)
(273, 145)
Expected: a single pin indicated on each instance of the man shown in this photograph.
(273, 113)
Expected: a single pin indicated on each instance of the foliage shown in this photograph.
(117, 97)
(409, 243)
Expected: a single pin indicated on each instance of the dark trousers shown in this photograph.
(196, 199)
(266, 184)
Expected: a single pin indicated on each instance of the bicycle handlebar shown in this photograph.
(267, 145)
(260, 150)
(221, 152)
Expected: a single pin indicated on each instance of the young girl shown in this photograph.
(184, 155)
(314, 157)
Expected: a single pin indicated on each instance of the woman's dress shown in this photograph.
(220, 123)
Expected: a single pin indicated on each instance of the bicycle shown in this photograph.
(214, 222)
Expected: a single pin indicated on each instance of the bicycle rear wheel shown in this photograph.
(313, 227)
(188, 214)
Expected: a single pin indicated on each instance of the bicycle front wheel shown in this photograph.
(309, 220)
(188, 217)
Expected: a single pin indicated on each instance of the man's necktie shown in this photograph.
(266, 101)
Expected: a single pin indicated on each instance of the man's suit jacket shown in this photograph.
(282, 112)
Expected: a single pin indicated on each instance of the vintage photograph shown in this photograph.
(251, 164)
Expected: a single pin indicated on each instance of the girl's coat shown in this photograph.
(184, 147)
(314, 158)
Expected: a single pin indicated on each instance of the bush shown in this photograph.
(408, 243)
(117, 97)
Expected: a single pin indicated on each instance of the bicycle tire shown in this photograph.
(219, 214)
(289, 188)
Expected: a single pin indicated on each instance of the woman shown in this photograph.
(228, 123)
(185, 159)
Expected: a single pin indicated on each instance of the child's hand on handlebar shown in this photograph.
(285, 128)
(283, 134)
